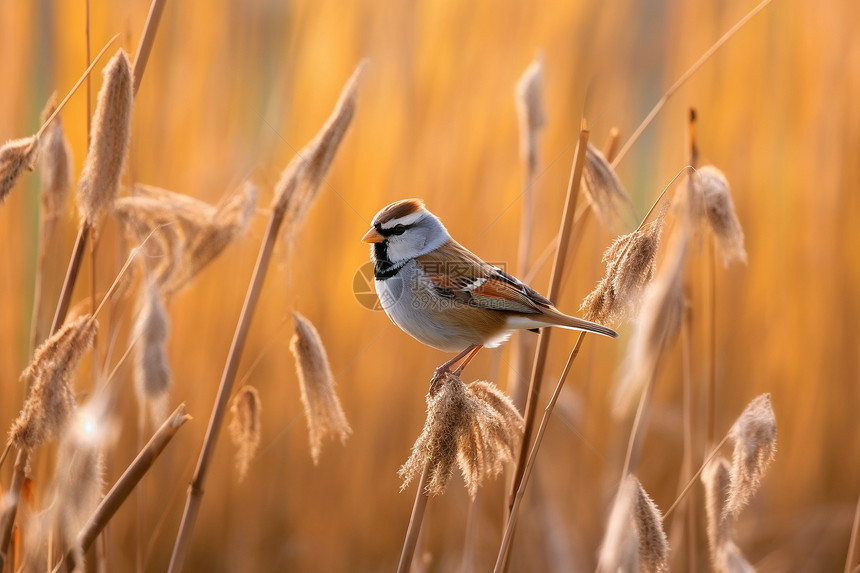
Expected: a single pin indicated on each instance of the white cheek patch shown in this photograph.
(406, 220)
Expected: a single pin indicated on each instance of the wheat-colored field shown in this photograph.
(233, 91)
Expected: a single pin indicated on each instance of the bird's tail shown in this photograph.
(573, 323)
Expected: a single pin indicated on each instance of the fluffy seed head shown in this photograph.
(303, 177)
(245, 427)
(56, 166)
(659, 324)
(530, 111)
(474, 426)
(715, 478)
(322, 407)
(720, 214)
(653, 545)
(187, 234)
(152, 378)
(51, 401)
(634, 540)
(630, 264)
(603, 188)
(78, 483)
(16, 156)
(754, 437)
(111, 131)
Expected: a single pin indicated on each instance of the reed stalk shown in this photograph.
(126, 484)
(415, 521)
(552, 294)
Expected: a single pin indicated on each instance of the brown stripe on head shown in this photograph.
(398, 209)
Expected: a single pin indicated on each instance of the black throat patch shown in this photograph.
(383, 268)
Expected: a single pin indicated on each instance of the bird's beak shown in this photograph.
(372, 236)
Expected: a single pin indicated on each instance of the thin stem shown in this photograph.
(74, 88)
(13, 495)
(195, 490)
(510, 527)
(712, 344)
(146, 41)
(695, 477)
(855, 539)
(555, 282)
(71, 277)
(682, 80)
(126, 483)
(415, 521)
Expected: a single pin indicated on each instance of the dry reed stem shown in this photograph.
(78, 482)
(719, 211)
(725, 556)
(151, 372)
(322, 407)
(531, 115)
(111, 123)
(147, 39)
(303, 177)
(284, 194)
(634, 539)
(245, 427)
(754, 437)
(854, 539)
(416, 519)
(503, 556)
(683, 79)
(552, 293)
(659, 324)
(604, 190)
(126, 483)
(472, 426)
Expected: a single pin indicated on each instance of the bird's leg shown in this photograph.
(446, 368)
(467, 360)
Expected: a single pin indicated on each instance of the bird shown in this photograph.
(445, 296)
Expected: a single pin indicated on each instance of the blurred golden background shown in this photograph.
(232, 89)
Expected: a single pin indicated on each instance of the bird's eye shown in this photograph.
(398, 229)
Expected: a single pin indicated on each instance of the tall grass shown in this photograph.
(233, 90)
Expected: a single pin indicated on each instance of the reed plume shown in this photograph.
(659, 324)
(55, 158)
(188, 234)
(51, 402)
(16, 156)
(719, 212)
(754, 437)
(474, 426)
(245, 427)
(530, 113)
(303, 177)
(152, 377)
(634, 540)
(726, 557)
(630, 264)
(603, 189)
(322, 408)
(79, 480)
(111, 132)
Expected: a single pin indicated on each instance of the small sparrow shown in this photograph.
(443, 295)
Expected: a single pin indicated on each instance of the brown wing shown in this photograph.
(457, 273)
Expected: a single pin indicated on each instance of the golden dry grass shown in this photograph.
(232, 89)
